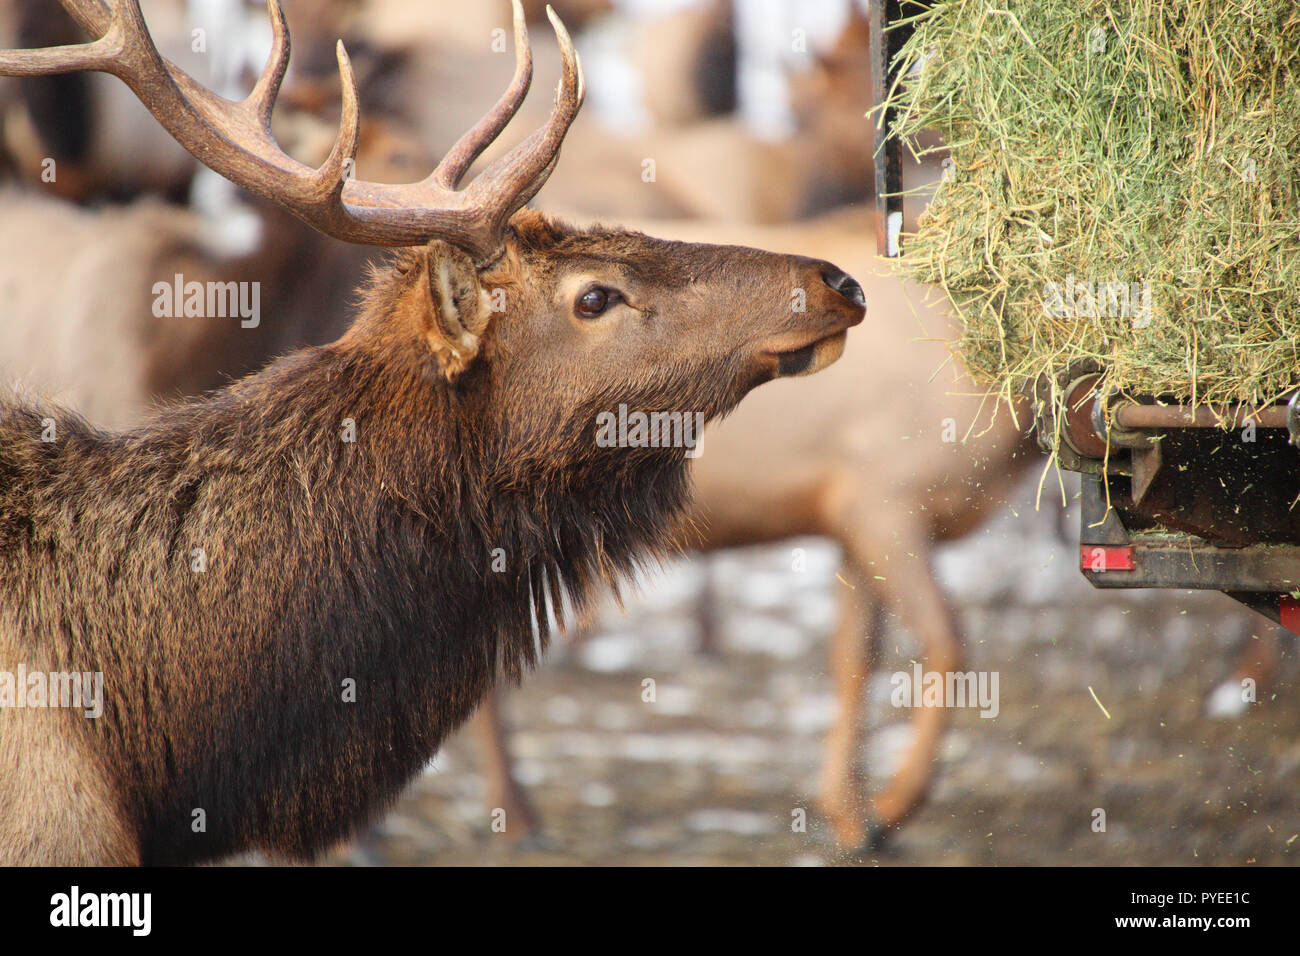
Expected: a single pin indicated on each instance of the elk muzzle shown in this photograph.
(835, 304)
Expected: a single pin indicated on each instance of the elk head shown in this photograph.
(538, 325)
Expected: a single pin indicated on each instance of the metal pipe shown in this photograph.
(1203, 416)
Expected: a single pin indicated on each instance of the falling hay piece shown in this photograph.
(1099, 703)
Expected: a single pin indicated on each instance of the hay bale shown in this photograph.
(1124, 188)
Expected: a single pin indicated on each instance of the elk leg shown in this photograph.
(896, 560)
(841, 800)
(925, 610)
(504, 792)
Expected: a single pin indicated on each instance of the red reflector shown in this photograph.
(1106, 557)
(1290, 614)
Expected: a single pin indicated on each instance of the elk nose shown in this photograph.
(844, 284)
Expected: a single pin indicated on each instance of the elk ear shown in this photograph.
(458, 308)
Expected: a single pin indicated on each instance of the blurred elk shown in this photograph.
(686, 60)
(826, 162)
(101, 143)
(719, 169)
(705, 166)
(291, 588)
(87, 335)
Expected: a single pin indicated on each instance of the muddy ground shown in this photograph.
(711, 772)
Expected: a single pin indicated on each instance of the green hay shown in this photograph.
(1115, 141)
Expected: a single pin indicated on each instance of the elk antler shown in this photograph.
(235, 139)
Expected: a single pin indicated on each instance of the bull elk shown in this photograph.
(294, 589)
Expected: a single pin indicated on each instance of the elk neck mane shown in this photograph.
(234, 565)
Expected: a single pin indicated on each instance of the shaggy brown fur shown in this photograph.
(415, 563)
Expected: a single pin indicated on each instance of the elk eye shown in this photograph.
(595, 301)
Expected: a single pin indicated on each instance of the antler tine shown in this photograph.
(98, 55)
(327, 182)
(536, 185)
(80, 57)
(263, 96)
(522, 172)
(338, 168)
(235, 139)
(93, 15)
(468, 148)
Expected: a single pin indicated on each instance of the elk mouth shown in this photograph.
(810, 358)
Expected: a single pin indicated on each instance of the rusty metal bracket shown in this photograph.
(1098, 522)
(1145, 461)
